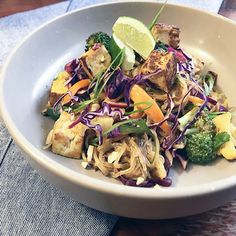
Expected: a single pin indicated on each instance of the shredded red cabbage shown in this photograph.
(169, 140)
(114, 133)
(121, 84)
(116, 84)
(106, 109)
(184, 61)
(87, 122)
(76, 71)
(138, 79)
(55, 105)
(78, 120)
(168, 114)
(128, 86)
(71, 66)
(209, 99)
(87, 116)
(189, 58)
(181, 135)
(167, 165)
(183, 159)
(178, 54)
(166, 182)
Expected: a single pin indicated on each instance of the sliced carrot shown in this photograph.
(74, 89)
(138, 95)
(195, 100)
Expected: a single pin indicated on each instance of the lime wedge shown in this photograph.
(116, 45)
(134, 34)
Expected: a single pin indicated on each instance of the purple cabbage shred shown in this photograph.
(71, 66)
(116, 85)
(166, 182)
(87, 116)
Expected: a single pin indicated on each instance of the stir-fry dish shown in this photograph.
(134, 102)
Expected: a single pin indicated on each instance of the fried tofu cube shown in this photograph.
(67, 141)
(168, 34)
(58, 87)
(97, 59)
(166, 62)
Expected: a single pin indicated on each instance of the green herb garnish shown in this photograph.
(156, 18)
(149, 104)
(54, 115)
(220, 139)
(99, 86)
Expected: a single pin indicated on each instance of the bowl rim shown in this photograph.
(90, 182)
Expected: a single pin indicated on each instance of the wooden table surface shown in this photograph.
(210, 223)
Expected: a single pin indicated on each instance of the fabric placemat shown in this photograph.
(28, 204)
(31, 206)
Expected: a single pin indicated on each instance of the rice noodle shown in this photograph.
(99, 165)
(133, 163)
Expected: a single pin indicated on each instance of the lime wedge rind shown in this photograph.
(134, 34)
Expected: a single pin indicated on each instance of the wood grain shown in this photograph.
(228, 9)
(220, 221)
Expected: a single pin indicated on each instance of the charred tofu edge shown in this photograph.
(164, 61)
(168, 34)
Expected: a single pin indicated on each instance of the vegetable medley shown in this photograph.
(134, 102)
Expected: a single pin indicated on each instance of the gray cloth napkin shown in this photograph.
(28, 204)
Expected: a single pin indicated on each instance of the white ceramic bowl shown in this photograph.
(26, 79)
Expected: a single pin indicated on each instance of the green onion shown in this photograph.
(82, 105)
(220, 139)
(156, 18)
(54, 115)
(208, 83)
(149, 104)
(134, 127)
(99, 86)
(116, 125)
(139, 127)
(127, 129)
(213, 115)
(98, 79)
(95, 141)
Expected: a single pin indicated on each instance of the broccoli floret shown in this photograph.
(199, 147)
(99, 37)
(200, 143)
(203, 142)
(188, 117)
(204, 123)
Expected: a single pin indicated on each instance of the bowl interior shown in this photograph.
(36, 62)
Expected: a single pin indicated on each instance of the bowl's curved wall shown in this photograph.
(27, 77)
